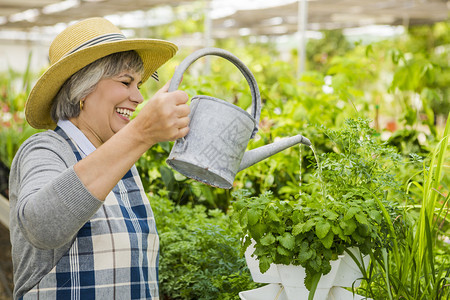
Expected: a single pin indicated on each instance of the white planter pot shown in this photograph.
(344, 273)
(293, 278)
(338, 293)
(273, 291)
(270, 276)
(349, 274)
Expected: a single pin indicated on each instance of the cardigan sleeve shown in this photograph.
(49, 202)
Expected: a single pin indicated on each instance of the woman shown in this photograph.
(81, 225)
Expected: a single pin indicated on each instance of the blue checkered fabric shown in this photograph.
(114, 255)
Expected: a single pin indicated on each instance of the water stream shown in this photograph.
(300, 173)
(319, 170)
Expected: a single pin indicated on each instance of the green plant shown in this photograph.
(407, 142)
(420, 267)
(319, 52)
(350, 203)
(356, 83)
(199, 255)
(421, 75)
(14, 130)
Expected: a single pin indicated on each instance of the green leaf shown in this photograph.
(165, 146)
(328, 240)
(287, 240)
(351, 213)
(253, 216)
(357, 237)
(273, 215)
(243, 219)
(348, 226)
(257, 231)
(309, 224)
(305, 253)
(331, 215)
(298, 228)
(312, 283)
(363, 230)
(376, 215)
(268, 239)
(239, 205)
(167, 175)
(264, 264)
(316, 263)
(322, 229)
(338, 231)
(361, 218)
(283, 251)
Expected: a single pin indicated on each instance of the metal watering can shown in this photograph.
(213, 151)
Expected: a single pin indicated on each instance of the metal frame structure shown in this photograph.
(275, 20)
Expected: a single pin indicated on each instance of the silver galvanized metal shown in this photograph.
(213, 150)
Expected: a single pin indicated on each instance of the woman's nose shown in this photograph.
(136, 96)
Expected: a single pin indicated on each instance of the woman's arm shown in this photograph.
(51, 200)
(163, 118)
(48, 201)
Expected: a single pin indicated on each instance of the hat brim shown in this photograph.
(154, 53)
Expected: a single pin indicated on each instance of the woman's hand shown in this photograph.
(164, 117)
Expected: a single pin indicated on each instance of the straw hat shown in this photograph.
(76, 47)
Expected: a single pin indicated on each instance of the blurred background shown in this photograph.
(317, 62)
(30, 25)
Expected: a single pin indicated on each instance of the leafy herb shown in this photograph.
(199, 256)
(313, 228)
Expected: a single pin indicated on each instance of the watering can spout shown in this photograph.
(251, 157)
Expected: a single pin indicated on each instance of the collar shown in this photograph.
(77, 136)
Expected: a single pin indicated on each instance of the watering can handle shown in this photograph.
(256, 97)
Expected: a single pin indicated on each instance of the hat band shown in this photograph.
(98, 40)
(111, 37)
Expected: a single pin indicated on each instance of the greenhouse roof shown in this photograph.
(26, 14)
(334, 14)
(280, 18)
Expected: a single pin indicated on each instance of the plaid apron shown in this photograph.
(114, 255)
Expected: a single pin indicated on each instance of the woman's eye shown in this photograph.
(126, 83)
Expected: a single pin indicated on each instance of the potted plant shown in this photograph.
(349, 204)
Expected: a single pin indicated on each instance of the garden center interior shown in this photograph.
(27, 28)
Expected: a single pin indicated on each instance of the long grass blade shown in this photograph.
(432, 177)
(386, 263)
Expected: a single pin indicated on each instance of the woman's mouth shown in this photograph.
(124, 113)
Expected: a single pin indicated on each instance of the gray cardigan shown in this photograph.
(49, 204)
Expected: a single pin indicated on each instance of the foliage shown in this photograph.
(283, 114)
(320, 52)
(421, 76)
(432, 43)
(350, 204)
(404, 80)
(420, 267)
(407, 142)
(356, 81)
(351, 87)
(14, 130)
(199, 255)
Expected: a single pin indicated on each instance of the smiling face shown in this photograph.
(109, 107)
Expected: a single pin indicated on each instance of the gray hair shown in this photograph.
(66, 104)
